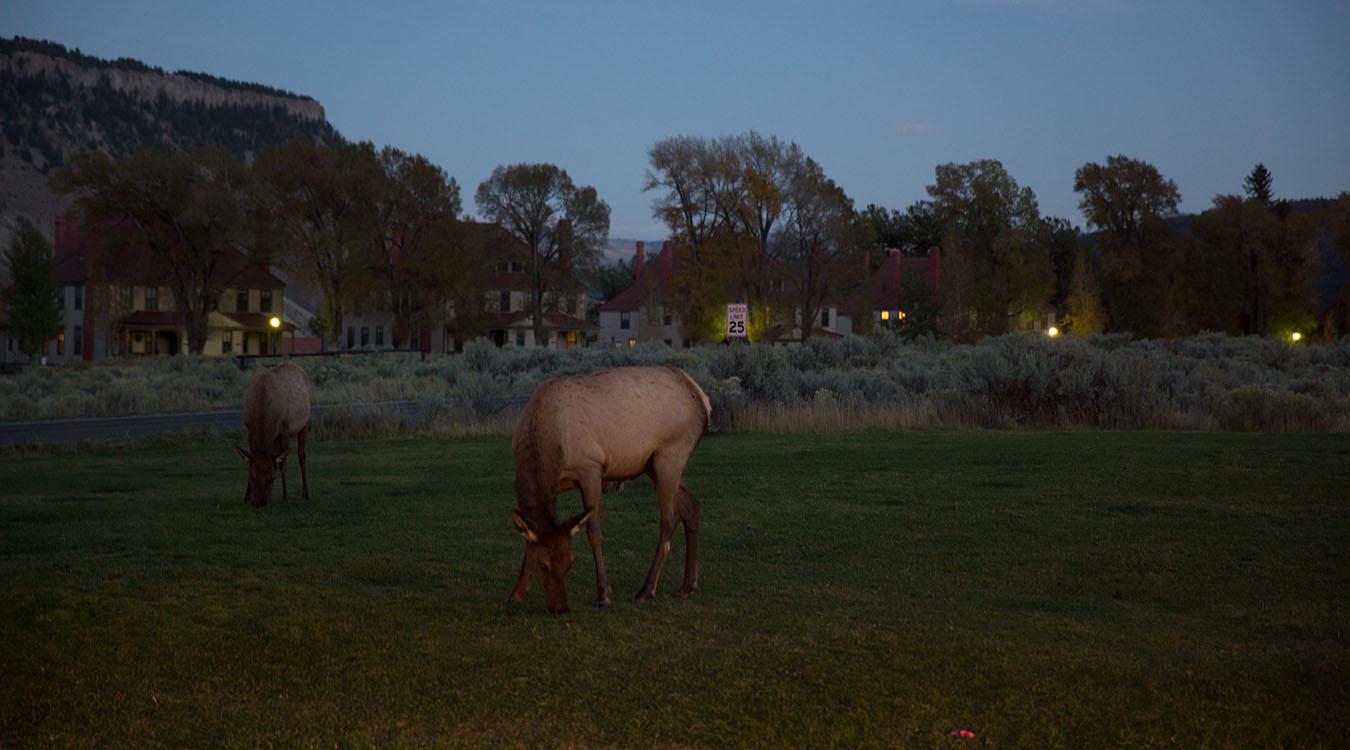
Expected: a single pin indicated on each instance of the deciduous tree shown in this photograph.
(564, 226)
(190, 209)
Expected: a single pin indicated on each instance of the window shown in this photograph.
(504, 302)
(152, 298)
(79, 339)
(241, 301)
(824, 316)
(128, 297)
(265, 300)
(351, 337)
(667, 318)
(624, 321)
(632, 342)
(226, 342)
(79, 299)
(520, 338)
(61, 343)
(379, 336)
(571, 339)
(365, 337)
(61, 297)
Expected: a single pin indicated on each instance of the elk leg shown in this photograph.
(282, 469)
(665, 496)
(304, 476)
(689, 512)
(590, 498)
(522, 583)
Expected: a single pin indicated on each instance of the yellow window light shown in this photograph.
(900, 315)
(885, 314)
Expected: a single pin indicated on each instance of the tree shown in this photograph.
(32, 315)
(323, 219)
(1267, 261)
(911, 232)
(1085, 312)
(821, 243)
(1127, 200)
(992, 223)
(189, 209)
(1257, 185)
(562, 225)
(1338, 218)
(422, 253)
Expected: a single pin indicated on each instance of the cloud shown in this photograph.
(915, 128)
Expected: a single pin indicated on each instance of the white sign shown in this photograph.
(736, 315)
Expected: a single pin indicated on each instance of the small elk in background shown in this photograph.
(276, 406)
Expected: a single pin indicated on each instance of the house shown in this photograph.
(565, 305)
(117, 305)
(642, 312)
(900, 283)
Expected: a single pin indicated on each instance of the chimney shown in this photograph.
(638, 260)
(565, 245)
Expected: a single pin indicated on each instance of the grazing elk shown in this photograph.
(276, 406)
(587, 430)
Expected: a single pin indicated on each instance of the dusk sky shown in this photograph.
(879, 93)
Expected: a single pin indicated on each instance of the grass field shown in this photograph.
(1041, 589)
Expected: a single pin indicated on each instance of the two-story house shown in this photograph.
(642, 312)
(117, 305)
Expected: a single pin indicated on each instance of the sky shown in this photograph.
(878, 93)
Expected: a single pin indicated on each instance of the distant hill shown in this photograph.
(55, 102)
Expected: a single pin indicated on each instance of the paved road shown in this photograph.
(118, 428)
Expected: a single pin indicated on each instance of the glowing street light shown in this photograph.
(1295, 337)
(1052, 331)
(275, 322)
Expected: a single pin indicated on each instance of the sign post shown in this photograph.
(736, 317)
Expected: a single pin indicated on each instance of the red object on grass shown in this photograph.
(966, 733)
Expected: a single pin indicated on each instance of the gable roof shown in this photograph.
(888, 288)
(654, 279)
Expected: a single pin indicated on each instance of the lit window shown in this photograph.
(885, 314)
(900, 315)
(61, 343)
(632, 342)
(571, 339)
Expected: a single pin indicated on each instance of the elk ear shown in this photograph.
(574, 525)
(243, 454)
(523, 526)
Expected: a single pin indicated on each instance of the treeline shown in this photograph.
(373, 229)
(52, 49)
(45, 118)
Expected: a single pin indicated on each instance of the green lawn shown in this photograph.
(1042, 589)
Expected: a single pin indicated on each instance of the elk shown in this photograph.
(276, 406)
(584, 431)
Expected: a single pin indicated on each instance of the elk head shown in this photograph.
(261, 472)
(548, 551)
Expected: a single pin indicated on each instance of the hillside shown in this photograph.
(55, 102)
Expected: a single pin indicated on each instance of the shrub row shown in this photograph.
(1209, 381)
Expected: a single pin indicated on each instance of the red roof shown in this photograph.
(654, 278)
(159, 318)
(887, 287)
(77, 249)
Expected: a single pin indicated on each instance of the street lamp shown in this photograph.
(1052, 331)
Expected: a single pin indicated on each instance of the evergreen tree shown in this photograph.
(32, 315)
(1086, 313)
(1257, 184)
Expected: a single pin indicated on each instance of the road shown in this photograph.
(119, 428)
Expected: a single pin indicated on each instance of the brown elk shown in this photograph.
(276, 406)
(588, 430)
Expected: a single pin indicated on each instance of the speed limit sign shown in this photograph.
(736, 315)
